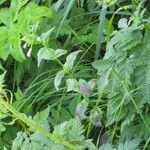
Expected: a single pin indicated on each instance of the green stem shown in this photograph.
(33, 125)
(146, 144)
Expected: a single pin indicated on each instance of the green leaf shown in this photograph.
(58, 79)
(30, 142)
(71, 130)
(102, 65)
(70, 60)
(71, 84)
(17, 52)
(81, 108)
(34, 13)
(46, 34)
(129, 145)
(18, 141)
(122, 23)
(2, 128)
(49, 54)
(106, 146)
(81, 86)
(60, 52)
(14, 7)
(45, 53)
(41, 118)
(4, 49)
(66, 14)
(73, 104)
(2, 80)
(15, 44)
(5, 16)
(2, 1)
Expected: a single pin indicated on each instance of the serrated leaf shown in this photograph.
(41, 118)
(17, 52)
(106, 146)
(4, 49)
(58, 79)
(15, 44)
(71, 130)
(129, 145)
(29, 13)
(102, 65)
(18, 141)
(30, 142)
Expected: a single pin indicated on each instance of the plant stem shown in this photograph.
(36, 127)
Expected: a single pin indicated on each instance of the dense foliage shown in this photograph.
(74, 74)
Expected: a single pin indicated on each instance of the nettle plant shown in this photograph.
(114, 102)
(36, 133)
(18, 28)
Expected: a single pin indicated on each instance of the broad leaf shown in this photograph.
(81, 108)
(70, 60)
(2, 128)
(60, 52)
(15, 44)
(29, 12)
(122, 23)
(129, 145)
(49, 54)
(5, 16)
(4, 48)
(45, 53)
(71, 84)
(58, 79)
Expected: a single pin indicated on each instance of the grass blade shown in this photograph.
(100, 30)
(66, 14)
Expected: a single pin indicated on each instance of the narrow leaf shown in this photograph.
(66, 14)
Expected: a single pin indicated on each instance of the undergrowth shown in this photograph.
(74, 74)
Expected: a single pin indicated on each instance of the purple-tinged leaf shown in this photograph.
(81, 108)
